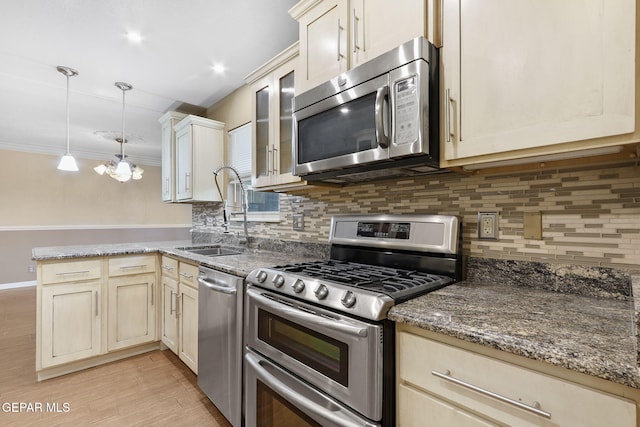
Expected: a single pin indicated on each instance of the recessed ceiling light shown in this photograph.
(134, 37)
(218, 68)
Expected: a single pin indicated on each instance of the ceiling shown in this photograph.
(172, 66)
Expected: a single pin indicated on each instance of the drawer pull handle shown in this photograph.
(534, 409)
(130, 267)
(167, 267)
(64, 273)
(188, 276)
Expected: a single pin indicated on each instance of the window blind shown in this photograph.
(240, 149)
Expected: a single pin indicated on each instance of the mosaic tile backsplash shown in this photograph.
(590, 216)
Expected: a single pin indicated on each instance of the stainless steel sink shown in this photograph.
(214, 251)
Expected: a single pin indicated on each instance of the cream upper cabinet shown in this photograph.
(133, 301)
(536, 77)
(449, 385)
(273, 91)
(167, 122)
(199, 151)
(336, 35)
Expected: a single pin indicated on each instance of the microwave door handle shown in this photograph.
(381, 94)
(296, 393)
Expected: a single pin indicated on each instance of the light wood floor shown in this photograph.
(151, 389)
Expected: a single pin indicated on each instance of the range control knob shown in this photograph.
(298, 286)
(348, 299)
(261, 276)
(278, 281)
(321, 292)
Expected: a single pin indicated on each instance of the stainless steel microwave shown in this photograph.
(377, 120)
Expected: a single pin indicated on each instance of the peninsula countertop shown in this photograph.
(591, 335)
(239, 265)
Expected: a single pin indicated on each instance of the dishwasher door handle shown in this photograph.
(216, 287)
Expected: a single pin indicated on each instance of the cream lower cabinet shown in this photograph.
(180, 310)
(70, 323)
(188, 326)
(434, 380)
(132, 311)
(533, 78)
(70, 312)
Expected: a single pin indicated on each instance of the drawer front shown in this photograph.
(420, 359)
(188, 274)
(71, 271)
(169, 267)
(132, 264)
(414, 407)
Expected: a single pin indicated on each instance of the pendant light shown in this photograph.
(122, 170)
(67, 163)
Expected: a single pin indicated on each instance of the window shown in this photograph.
(263, 206)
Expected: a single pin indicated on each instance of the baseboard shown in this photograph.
(17, 285)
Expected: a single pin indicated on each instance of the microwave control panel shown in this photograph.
(406, 110)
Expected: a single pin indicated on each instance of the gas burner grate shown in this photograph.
(396, 283)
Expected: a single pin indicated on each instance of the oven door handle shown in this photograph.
(293, 391)
(309, 320)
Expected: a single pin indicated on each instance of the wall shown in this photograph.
(42, 206)
(234, 110)
(591, 215)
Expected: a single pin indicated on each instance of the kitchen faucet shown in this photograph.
(243, 195)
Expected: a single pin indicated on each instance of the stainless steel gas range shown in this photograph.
(319, 349)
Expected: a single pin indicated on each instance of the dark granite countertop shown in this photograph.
(240, 264)
(584, 333)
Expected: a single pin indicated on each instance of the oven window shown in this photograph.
(346, 129)
(326, 355)
(272, 410)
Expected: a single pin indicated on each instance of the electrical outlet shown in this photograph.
(488, 225)
(298, 222)
(31, 268)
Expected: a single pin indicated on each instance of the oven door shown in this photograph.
(339, 355)
(348, 129)
(275, 398)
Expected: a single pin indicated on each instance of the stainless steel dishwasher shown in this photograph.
(220, 341)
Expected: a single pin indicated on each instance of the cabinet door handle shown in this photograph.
(356, 21)
(448, 114)
(97, 312)
(131, 267)
(268, 158)
(173, 303)
(187, 184)
(340, 28)
(274, 159)
(64, 273)
(446, 375)
(152, 294)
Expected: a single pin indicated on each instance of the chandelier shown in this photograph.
(121, 170)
